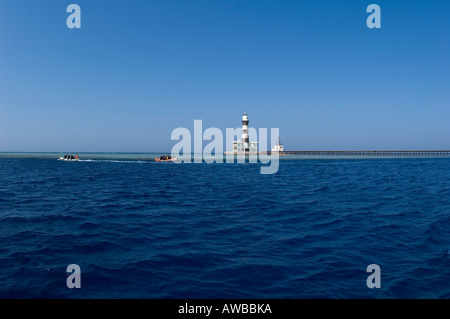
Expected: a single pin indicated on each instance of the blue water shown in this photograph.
(140, 229)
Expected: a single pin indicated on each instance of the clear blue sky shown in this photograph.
(138, 69)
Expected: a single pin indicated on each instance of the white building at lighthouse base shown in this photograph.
(240, 147)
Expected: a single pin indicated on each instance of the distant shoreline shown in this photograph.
(285, 155)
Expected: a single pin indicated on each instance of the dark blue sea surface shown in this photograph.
(140, 229)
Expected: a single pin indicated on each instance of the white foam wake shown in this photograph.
(113, 161)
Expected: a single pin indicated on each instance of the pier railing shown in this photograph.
(431, 153)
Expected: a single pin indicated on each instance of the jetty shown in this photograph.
(416, 153)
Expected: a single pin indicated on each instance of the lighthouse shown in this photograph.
(244, 146)
(245, 140)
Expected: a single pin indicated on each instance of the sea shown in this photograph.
(141, 229)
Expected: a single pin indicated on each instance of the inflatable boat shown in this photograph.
(69, 158)
(165, 159)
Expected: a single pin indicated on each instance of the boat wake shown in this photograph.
(114, 161)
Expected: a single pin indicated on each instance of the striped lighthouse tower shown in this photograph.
(245, 139)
